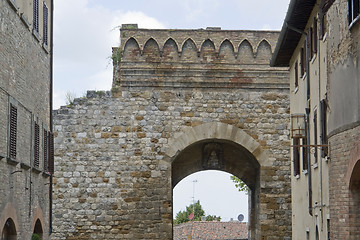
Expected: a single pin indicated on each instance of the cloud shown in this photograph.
(83, 38)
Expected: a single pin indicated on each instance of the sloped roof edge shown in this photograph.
(297, 17)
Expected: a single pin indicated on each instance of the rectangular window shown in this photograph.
(36, 15)
(296, 75)
(322, 25)
(323, 127)
(36, 145)
(314, 38)
(302, 62)
(45, 24)
(315, 137)
(13, 131)
(296, 156)
(45, 149)
(353, 10)
(48, 152)
(311, 41)
(304, 154)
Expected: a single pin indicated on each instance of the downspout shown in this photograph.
(51, 106)
(307, 110)
(308, 123)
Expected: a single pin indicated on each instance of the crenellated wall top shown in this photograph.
(198, 37)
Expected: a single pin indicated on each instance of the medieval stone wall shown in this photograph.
(116, 151)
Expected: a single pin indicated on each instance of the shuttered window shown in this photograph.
(36, 15)
(51, 153)
(45, 150)
(296, 156)
(323, 127)
(13, 131)
(315, 136)
(296, 76)
(48, 152)
(314, 38)
(36, 145)
(304, 155)
(303, 61)
(45, 24)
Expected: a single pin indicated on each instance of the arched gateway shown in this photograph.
(182, 101)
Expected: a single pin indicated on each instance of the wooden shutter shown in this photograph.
(45, 24)
(51, 153)
(13, 131)
(36, 144)
(315, 136)
(323, 127)
(45, 150)
(304, 155)
(296, 156)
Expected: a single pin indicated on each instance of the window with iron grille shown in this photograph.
(36, 145)
(353, 10)
(36, 15)
(45, 24)
(13, 131)
(296, 156)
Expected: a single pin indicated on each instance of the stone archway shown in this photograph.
(9, 230)
(219, 146)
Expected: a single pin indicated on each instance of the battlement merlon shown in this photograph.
(215, 34)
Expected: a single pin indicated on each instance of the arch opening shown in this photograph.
(38, 230)
(9, 230)
(227, 156)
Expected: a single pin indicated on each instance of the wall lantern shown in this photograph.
(298, 126)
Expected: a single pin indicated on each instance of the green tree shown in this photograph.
(183, 216)
(35, 236)
(240, 185)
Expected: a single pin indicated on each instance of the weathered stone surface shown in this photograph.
(129, 147)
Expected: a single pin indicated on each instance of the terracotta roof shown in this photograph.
(211, 231)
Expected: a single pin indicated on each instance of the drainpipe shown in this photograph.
(51, 105)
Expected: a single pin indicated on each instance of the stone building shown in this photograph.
(182, 101)
(25, 118)
(319, 42)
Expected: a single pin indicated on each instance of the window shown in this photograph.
(328, 228)
(13, 131)
(314, 38)
(296, 156)
(315, 136)
(36, 145)
(36, 15)
(322, 25)
(45, 149)
(48, 152)
(353, 10)
(304, 155)
(296, 75)
(45, 24)
(323, 127)
(303, 60)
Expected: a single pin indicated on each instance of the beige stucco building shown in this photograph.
(26, 150)
(318, 42)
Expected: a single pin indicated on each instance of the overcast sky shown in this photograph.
(86, 30)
